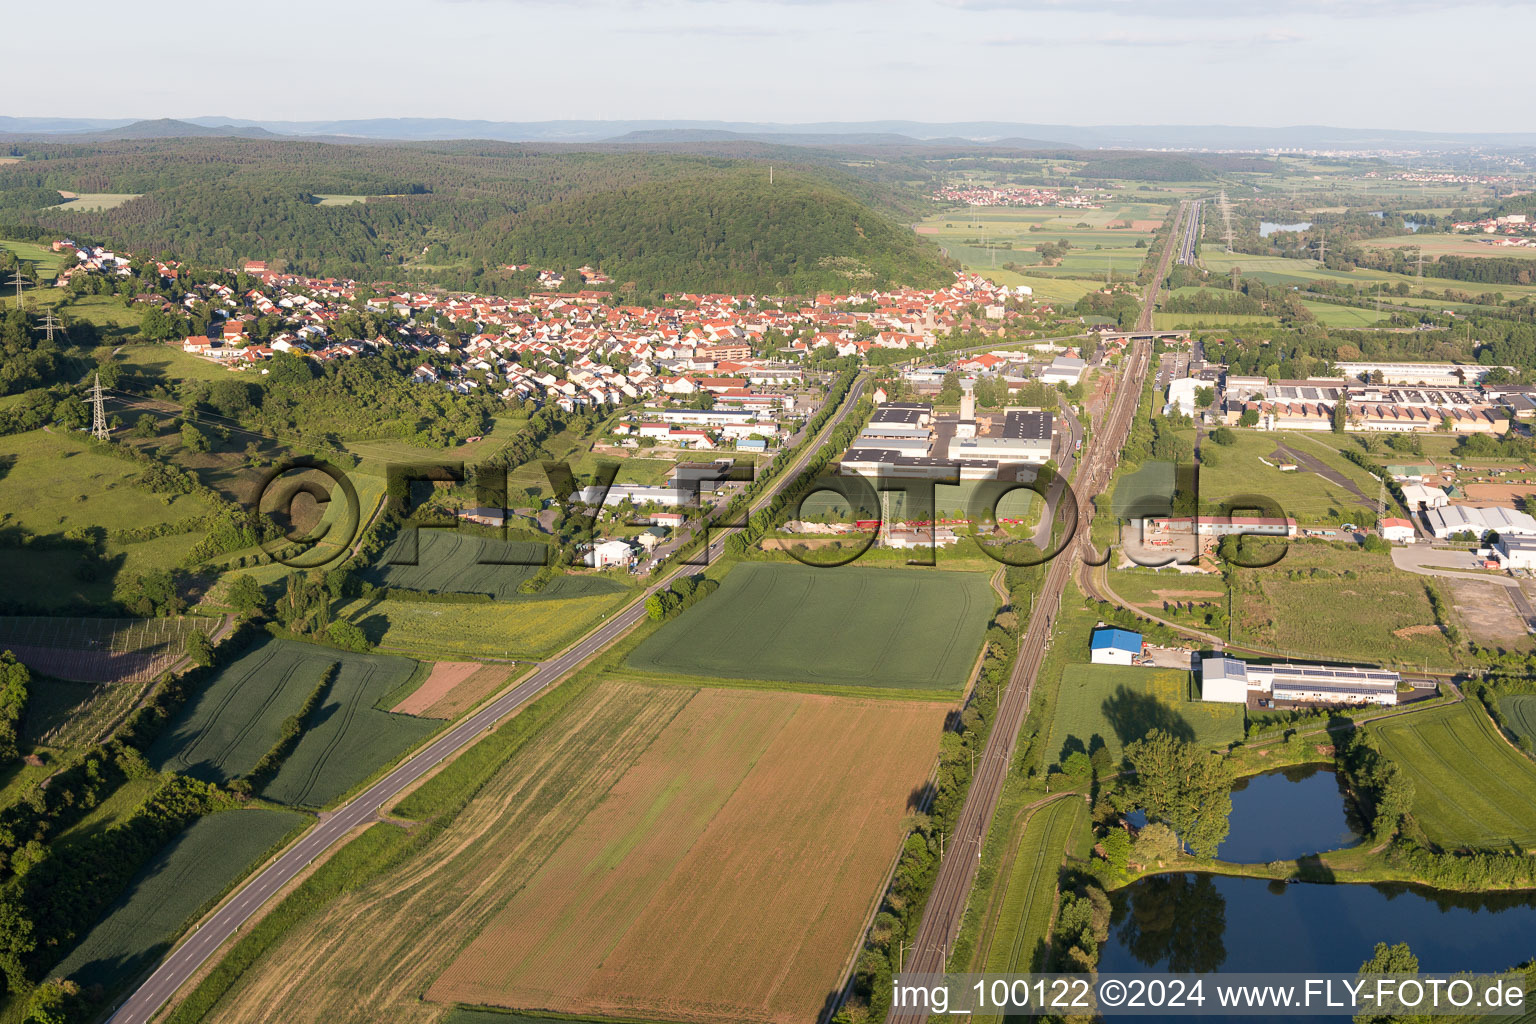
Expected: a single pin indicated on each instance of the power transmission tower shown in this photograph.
(50, 322)
(1322, 248)
(1421, 264)
(99, 428)
(17, 279)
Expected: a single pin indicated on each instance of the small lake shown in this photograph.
(1282, 815)
(1269, 227)
(1285, 814)
(1198, 923)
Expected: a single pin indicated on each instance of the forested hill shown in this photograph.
(456, 214)
(732, 232)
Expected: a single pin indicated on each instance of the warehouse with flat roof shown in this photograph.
(1230, 680)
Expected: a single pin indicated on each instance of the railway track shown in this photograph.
(957, 871)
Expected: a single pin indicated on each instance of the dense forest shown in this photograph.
(456, 214)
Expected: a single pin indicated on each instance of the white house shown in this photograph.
(1112, 646)
(609, 553)
(1396, 531)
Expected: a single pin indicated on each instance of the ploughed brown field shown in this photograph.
(656, 853)
(453, 687)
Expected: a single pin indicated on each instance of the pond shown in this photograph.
(1196, 923)
(1282, 815)
(1269, 227)
(1285, 814)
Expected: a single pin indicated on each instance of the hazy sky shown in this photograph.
(1355, 63)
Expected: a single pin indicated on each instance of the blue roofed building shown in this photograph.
(1112, 646)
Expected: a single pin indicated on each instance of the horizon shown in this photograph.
(787, 62)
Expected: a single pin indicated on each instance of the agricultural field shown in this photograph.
(94, 201)
(1294, 606)
(1520, 713)
(179, 883)
(453, 687)
(617, 866)
(100, 650)
(852, 626)
(525, 628)
(1282, 271)
(1015, 942)
(1460, 244)
(1102, 241)
(1178, 321)
(237, 717)
(461, 562)
(1471, 788)
(1115, 705)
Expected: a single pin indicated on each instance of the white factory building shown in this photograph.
(1451, 520)
(635, 494)
(1444, 374)
(1516, 552)
(1232, 681)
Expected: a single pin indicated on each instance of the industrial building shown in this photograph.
(1452, 520)
(1230, 680)
(1396, 531)
(1515, 553)
(635, 494)
(1420, 497)
(1159, 529)
(898, 442)
(1451, 374)
(1113, 646)
(1063, 370)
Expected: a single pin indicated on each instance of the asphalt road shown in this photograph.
(184, 961)
(962, 852)
(1190, 239)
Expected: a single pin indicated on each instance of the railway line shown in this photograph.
(957, 871)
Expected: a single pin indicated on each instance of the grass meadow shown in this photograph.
(1338, 602)
(846, 626)
(1115, 705)
(1471, 788)
(526, 628)
(1016, 941)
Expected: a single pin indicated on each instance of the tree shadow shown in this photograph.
(1133, 715)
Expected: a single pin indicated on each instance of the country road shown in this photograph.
(957, 871)
(185, 959)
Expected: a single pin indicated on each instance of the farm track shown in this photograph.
(946, 904)
(183, 962)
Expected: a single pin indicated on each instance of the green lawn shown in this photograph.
(1178, 321)
(1331, 315)
(237, 717)
(1115, 705)
(1017, 942)
(846, 626)
(1307, 497)
(177, 885)
(1471, 788)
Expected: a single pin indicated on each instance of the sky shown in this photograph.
(1350, 63)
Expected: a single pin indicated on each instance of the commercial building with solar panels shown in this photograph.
(1231, 680)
